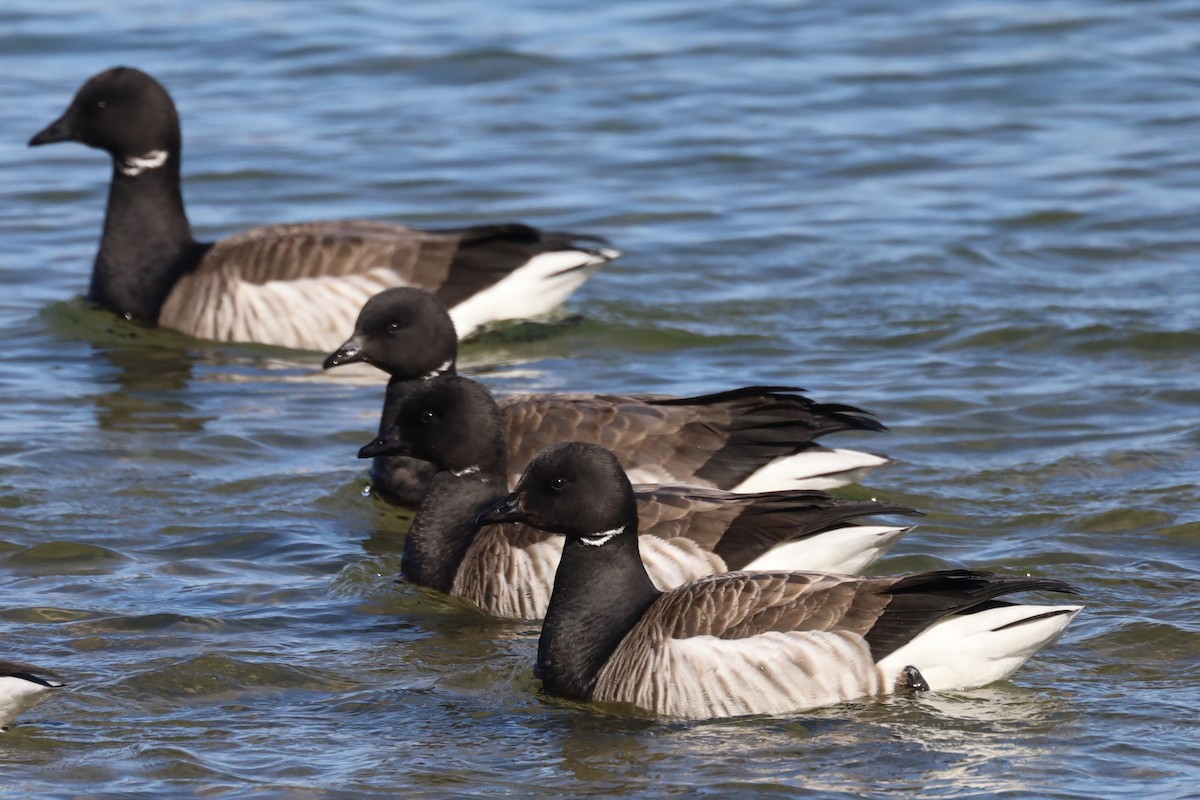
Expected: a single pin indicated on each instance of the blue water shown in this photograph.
(977, 219)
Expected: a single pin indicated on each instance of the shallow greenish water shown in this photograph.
(978, 220)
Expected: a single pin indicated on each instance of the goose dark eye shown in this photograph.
(557, 483)
(428, 416)
(101, 104)
(393, 327)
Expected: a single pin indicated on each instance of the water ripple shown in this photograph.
(976, 220)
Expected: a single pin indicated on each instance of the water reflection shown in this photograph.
(148, 391)
(148, 369)
(923, 746)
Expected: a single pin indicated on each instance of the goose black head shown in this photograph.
(123, 111)
(450, 421)
(573, 488)
(406, 332)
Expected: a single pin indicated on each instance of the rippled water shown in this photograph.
(977, 219)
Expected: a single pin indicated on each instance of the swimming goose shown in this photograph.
(508, 570)
(750, 642)
(754, 439)
(23, 686)
(297, 285)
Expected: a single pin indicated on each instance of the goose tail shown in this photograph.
(535, 288)
(973, 649)
(814, 468)
(849, 549)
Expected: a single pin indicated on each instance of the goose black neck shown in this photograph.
(147, 244)
(444, 526)
(397, 389)
(600, 592)
(398, 479)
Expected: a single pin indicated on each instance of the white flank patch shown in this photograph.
(772, 673)
(516, 582)
(530, 579)
(597, 539)
(968, 651)
(18, 694)
(849, 550)
(813, 469)
(316, 313)
(509, 581)
(462, 473)
(139, 164)
(537, 287)
(303, 314)
(674, 562)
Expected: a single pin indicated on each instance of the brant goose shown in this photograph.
(508, 570)
(753, 439)
(750, 642)
(23, 686)
(296, 285)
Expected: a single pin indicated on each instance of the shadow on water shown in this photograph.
(927, 744)
(923, 746)
(151, 372)
(149, 369)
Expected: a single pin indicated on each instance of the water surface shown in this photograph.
(977, 219)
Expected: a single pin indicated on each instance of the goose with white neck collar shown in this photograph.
(294, 285)
(750, 642)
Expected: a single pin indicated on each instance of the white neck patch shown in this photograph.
(439, 371)
(462, 473)
(597, 539)
(139, 164)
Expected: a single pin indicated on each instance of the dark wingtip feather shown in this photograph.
(918, 601)
(769, 518)
(855, 418)
(520, 233)
(766, 422)
(783, 405)
(801, 499)
(742, 393)
(976, 582)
